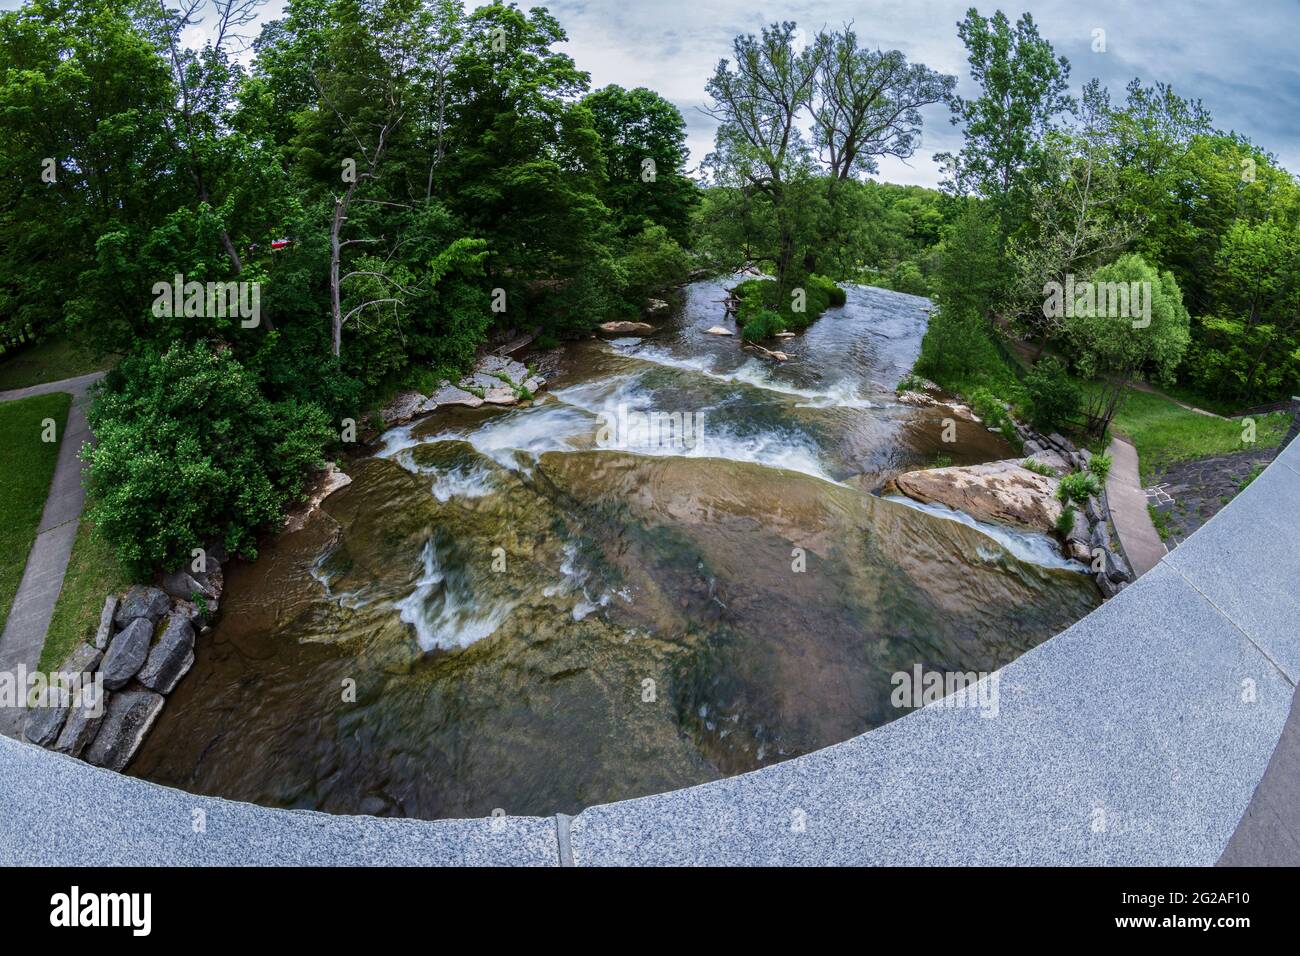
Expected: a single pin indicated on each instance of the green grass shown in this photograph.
(93, 572)
(1164, 433)
(50, 361)
(26, 467)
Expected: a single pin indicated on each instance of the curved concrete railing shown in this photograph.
(1136, 736)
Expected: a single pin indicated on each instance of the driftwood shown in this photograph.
(767, 353)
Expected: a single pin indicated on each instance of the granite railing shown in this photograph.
(1136, 736)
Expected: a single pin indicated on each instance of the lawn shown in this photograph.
(1164, 433)
(50, 361)
(26, 467)
(93, 572)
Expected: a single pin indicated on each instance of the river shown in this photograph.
(541, 608)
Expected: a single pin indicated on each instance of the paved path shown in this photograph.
(1128, 509)
(29, 617)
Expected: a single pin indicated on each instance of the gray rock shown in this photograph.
(1092, 508)
(104, 633)
(1061, 442)
(127, 653)
(45, 717)
(404, 406)
(127, 719)
(84, 659)
(1100, 537)
(501, 395)
(1117, 568)
(657, 307)
(185, 583)
(141, 601)
(451, 395)
(535, 384)
(480, 380)
(171, 658)
(87, 713)
(1108, 588)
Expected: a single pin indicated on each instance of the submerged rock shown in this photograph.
(324, 484)
(997, 491)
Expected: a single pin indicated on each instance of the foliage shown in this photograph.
(1099, 465)
(1038, 467)
(1078, 486)
(1054, 399)
(190, 452)
(1065, 521)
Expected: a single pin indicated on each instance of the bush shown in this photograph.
(1078, 486)
(1065, 523)
(1099, 465)
(957, 351)
(760, 323)
(1054, 399)
(190, 452)
(818, 294)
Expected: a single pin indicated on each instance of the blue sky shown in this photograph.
(1242, 61)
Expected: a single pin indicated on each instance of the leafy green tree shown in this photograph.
(643, 137)
(1112, 348)
(189, 451)
(1023, 95)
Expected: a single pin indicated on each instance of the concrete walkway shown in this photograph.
(29, 617)
(1128, 509)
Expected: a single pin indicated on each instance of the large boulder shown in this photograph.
(127, 654)
(501, 395)
(87, 713)
(104, 633)
(141, 601)
(449, 394)
(127, 719)
(404, 406)
(322, 485)
(45, 717)
(626, 328)
(171, 658)
(996, 491)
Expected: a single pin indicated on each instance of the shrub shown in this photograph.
(1065, 523)
(761, 323)
(957, 350)
(1078, 486)
(1054, 399)
(190, 452)
(1099, 465)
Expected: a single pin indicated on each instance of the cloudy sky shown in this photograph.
(1239, 59)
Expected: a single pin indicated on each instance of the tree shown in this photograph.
(759, 147)
(643, 137)
(1111, 348)
(1023, 93)
(867, 103)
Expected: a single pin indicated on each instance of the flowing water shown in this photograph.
(545, 607)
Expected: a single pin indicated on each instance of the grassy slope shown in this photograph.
(26, 467)
(93, 572)
(50, 361)
(1164, 433)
